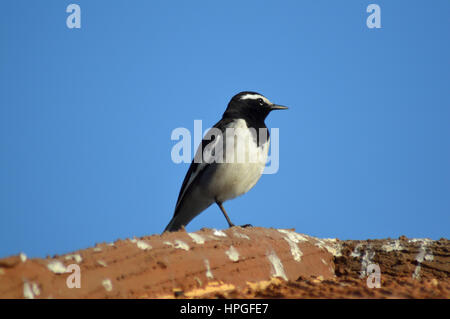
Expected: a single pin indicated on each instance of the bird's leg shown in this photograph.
(230, 224)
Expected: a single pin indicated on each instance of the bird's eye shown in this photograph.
(260, 101)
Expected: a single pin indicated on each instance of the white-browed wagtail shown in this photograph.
(229, 161)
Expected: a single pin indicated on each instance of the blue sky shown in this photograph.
(86, 116)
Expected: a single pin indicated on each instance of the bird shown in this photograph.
(229, 161)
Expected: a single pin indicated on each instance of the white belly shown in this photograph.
(242, 167)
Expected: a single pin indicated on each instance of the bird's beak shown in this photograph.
(278, 107)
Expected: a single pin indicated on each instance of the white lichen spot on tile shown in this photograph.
(30, 290)
(102, 263)
(292, 235)
(107, 284)
(366, 260)
(416, 274)
(277, 265)
(295, 251)
(76, 257)
(332, 270)
(56, 267)
(199, 282)
(181, 244)
(168, 243)
(219, 233)
(35, 289)
(196, 238)
(331, 245)
(239, 235)
(208, 269)
(392, 246)
(143, 245)
(323, 261)
(97, 249)
(27, 292)
(424, 253)
(23, 257)
(356, 253)
(292, 238)
(233, 254)
(426, 241)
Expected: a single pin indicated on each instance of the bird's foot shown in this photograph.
(243, 226)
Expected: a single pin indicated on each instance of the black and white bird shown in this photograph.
(229, 161)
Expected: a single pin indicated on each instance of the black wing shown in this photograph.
(198, 168)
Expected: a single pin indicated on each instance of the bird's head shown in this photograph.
(251, 104)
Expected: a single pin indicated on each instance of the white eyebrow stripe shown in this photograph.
(255, 97)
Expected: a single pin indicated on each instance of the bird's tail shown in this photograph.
(185, 213)
(174, 225)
